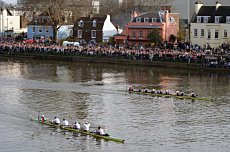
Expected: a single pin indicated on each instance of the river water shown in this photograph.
(95, 93)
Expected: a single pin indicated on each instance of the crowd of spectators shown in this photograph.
(217, 57)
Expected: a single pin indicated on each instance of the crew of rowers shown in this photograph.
(166, 92)
(77, 125)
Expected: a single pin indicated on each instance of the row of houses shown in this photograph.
(210, 25)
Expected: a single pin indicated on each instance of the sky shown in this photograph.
(10, 1)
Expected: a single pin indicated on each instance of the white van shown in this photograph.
(68, 43)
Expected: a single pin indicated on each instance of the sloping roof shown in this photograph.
(147, 15)
(211, 11)
(90, 19)
(40, 20)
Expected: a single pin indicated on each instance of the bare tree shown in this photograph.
(58, 10)
(108, 6)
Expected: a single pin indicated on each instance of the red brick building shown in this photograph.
(136, 31)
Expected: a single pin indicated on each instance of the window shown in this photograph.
(154, 19)
(216, 34)
(134, 34)
(198, 19)
(93, 34)
(206, 19)
(227, 19)
(79, 34)
(141, 34)
(138, 19)
(195, 32)
(33, 29)
(217, 19)
(209, 34)
(146, 20)
(40, 29)
(81, 23)
(47, 29)
(202, 33)
(94, 23)
(225, 33)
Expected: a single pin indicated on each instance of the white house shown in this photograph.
(10, 21)
(210, 25)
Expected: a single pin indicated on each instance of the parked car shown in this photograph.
(68, 43)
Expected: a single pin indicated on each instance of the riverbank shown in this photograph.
(106, 60)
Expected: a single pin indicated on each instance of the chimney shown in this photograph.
(91, 15)
(108, 17)
(218, 4)
(198, 5)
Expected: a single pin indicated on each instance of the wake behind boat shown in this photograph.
(93, 134)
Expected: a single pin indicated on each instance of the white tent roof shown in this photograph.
(109, 29)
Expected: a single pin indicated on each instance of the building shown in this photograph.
(210, 25)
(9, 22)
(136, 31)
(40, 28)
(92, 30)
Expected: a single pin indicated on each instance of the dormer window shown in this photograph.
(206, 19)
(81, 23)
(146, 20)
(217, 19)
(138, 19)
(154, 19)
(199, 19)
(94, 23)
(227, 19)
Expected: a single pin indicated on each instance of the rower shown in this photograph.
(146, 90)
(177, 92)
(159, 92)
(56, 120)
(192, 94)
(181, 93)
(153, 91)
(130, 89)
(77, 125)
(86, 126)
(65, 122)
(166, 92)
(100, 131)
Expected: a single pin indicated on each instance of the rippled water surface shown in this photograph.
(96, 93)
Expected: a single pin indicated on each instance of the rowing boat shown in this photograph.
(169, 95)
(109, 138)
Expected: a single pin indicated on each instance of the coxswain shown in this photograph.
(43, 118)
(100, 131)
(86, 126)
(56, 120)
(77, 125)
(65, 122)
(192, 94)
